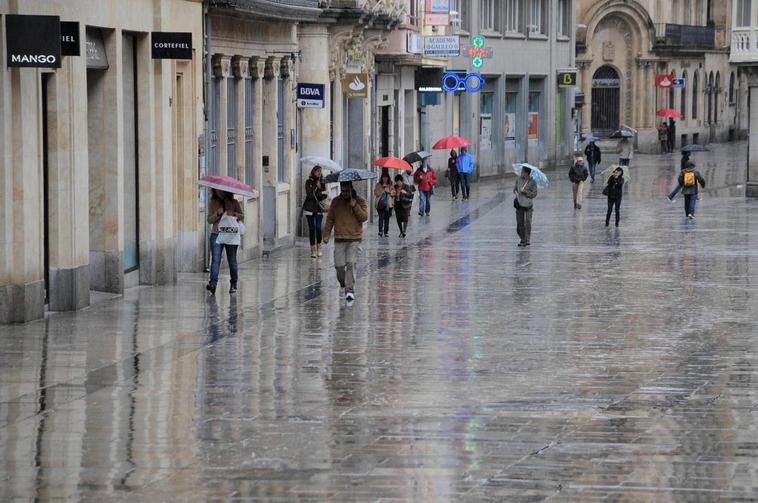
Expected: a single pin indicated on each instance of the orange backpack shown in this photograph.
(689, 179)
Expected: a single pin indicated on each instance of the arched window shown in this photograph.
(709, 91)
(716, 96)
(695, 96)
(732, 97)
(671, 91)
(683, 97)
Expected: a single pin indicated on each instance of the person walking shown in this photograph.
(222, 204)
(671, 131)
(578, 175)
(425, 178)
(627, 151)
(384, 192)
(678, 185)
(614, 190)
(313, 208)
(525, 190)
(689, 179)
(684, 161)
(663, 137)
(452, 173)
(346, 215)
(403, 203)
(465, 165)
(592, 153)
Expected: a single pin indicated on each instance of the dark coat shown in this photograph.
(452, 168)
(689, 191)
(578, 173)
(592, 153)
(615, 188)
(404, 201)
(685, 160)
(313, 195)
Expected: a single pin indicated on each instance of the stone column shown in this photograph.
(241, 72)
(147, 108)
(221, 70)
(270, 105)
(254, 235)
(289, 203)
(314, 68)
(752, 169)
(338, 113)
(639, 110)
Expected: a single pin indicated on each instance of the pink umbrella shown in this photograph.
(668, 112)
(227, 184)
(392, 163)
(449, 142)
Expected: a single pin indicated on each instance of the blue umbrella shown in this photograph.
(590, 137)
(622, 133)
(349, 175)
(537, 175)
(694, 148)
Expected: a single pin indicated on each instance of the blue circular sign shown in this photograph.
(471, 82)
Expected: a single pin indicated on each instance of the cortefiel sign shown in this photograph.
(171, 45)
(70, 38)
(33, 41)
(310, 95)
(448, 46)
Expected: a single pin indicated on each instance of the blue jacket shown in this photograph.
(465, 163)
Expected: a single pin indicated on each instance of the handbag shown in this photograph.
(324, 205)
(384, 201)
(230, 231)
(605, 190)
(516, 205)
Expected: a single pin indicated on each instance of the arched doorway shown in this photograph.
(606, 99)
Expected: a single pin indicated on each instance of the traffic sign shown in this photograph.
(567, 78)
(678, 83)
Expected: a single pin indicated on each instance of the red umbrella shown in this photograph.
(392, 163)
(668, 113)
(449, 142)
(227, 184)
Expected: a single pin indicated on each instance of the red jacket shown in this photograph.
(425, 181)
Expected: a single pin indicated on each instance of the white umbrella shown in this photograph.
(325, 163)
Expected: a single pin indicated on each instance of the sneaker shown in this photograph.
(421, 214)
(349, 297)
(211, 288)
(691, 216)
(233, 289)
(521, 244)
(578, 206)
(386, 234)
(380, 234)
(527, 243)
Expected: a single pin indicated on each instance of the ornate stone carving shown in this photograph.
(287, 66)
(257, 67)
(240, 67)
(353, 49)
(272, 68)
(609, 51)
(221, 65)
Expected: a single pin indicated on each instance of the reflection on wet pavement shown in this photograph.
(613, 365)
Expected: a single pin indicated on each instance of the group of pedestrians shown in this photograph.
(459, 171)
(667, 136)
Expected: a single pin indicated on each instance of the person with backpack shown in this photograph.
(578, 175)
(592, 153)
(384, 192)
(614, 190)
(425, 178)
(689, 179)
(403, 203)
(525, 190)
(465, 165)
(314, 208)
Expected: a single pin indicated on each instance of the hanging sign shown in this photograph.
(415, 43)
(566, 78)
(457, 82)
(438, 6)
(437, 19)
(664, 81)
(171, 45)
(678, 83)
(97, 58)
(70, 45)
(33, 41)
(449, 46)
(355, 85)
(310, 95)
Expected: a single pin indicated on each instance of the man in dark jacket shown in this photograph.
(689, 179)
(672, 135)
(592, 153)
(525, 190)
(578, 175)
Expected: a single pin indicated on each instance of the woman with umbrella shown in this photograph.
(452, 173)
(403, 203)
(314, 208)
(222, 204)
(384, 192)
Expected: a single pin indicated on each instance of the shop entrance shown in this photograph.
(46, 185)
(606, 100)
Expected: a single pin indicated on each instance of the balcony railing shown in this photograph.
(680, 36)
(744, 45)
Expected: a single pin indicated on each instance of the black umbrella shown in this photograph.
(621, 133)
(694, 148)
(349, 175)
(417, 156)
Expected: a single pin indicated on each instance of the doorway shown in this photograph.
(384, 146)
(606, 100)
(46, 185)
(131, 161)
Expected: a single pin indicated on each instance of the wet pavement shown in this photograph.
(597, 365)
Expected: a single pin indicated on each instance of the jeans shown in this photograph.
(664, 146)
(402, 222)
(345, 255)
(384, 220)
(424, 202)
(524, 223)
(465, 187)
(315, 227)
(623, 161)
(578, 194)
(613, 204)
(455, 184)
(231, 257)
(593, 167)
(690, 201)
(675, 191)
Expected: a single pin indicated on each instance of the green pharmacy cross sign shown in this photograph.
(477, 58)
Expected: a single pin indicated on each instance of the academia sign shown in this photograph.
(310, 95)
(449, 46)
(33, 41)
(171, 45)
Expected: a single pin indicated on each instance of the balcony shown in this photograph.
(378, 13)
(680, 37)
(744, 45)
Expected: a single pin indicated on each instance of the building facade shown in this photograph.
(744, 55)
(99, 154)
(521, 113)
(623, 45)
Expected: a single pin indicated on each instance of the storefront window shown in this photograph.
(485, 118)
(534, 115)
(509, 126)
